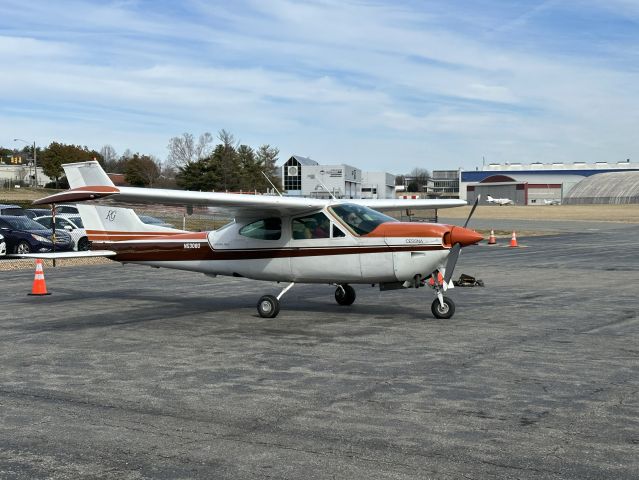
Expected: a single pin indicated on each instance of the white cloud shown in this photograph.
(370, 79)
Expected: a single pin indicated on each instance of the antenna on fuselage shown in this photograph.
(313, 177)
(269, 181)
(326, 188)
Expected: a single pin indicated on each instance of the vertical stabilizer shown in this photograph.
(106, 223)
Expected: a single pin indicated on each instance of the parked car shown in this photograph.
(8, 209)
(71, 224)
(3, 246)
(66, 209)
(23, 235)
(149, 220)
(33, 213)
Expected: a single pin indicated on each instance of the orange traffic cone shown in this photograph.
(513, 240)
(492, 240)
(39, 285)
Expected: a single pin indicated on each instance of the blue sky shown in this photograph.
(383, 85)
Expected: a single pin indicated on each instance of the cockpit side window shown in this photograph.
(267, 229)
(311, 226)
(337, 232)
(360, 219)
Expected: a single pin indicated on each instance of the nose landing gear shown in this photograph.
(442, 307)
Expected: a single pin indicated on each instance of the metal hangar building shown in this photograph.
(534, 183)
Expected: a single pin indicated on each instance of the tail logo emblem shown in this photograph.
(111, 216)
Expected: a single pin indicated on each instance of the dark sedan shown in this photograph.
(23, 235)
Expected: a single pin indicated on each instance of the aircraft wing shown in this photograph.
(406, 204)
(88, 181)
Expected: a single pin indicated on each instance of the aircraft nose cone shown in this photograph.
(464, 236)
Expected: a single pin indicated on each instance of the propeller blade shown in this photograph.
(453, 255)
(472, 210)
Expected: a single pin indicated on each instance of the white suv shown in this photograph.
(70, 223)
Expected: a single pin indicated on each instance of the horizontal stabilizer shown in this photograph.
(85, 174)
(78, 195)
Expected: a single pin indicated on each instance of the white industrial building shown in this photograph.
(378, 185)
(304, 177)
(532, 184)
(22, 175)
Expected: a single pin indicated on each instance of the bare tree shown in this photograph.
(204, 146)
(127, 155)
(419, 178)
(110, 157)
(184, 150)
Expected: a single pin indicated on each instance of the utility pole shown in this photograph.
(35, 159)
(35, 165)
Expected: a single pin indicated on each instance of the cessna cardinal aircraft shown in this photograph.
(283, 239)
(499, 201)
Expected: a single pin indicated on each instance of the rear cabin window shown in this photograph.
(267, 229)
(312, 226)
(360, 219)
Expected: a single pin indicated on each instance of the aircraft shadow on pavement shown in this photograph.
(140, 308)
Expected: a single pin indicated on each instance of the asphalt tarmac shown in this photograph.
(130, 372)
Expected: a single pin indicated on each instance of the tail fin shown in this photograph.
(112, 224)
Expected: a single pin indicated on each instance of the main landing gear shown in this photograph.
(344, 294)
(268, 306)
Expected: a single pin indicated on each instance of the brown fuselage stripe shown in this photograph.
(147, 252)
(114, 236)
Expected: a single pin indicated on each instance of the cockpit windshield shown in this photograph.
(360, 219)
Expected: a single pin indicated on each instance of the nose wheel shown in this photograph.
(444, 309)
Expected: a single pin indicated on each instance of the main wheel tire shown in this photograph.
(23, 247)
(268, 306)
(83, 244)
(444, 312)
(345, 295)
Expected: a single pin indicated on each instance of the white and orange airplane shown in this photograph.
(283, 239)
